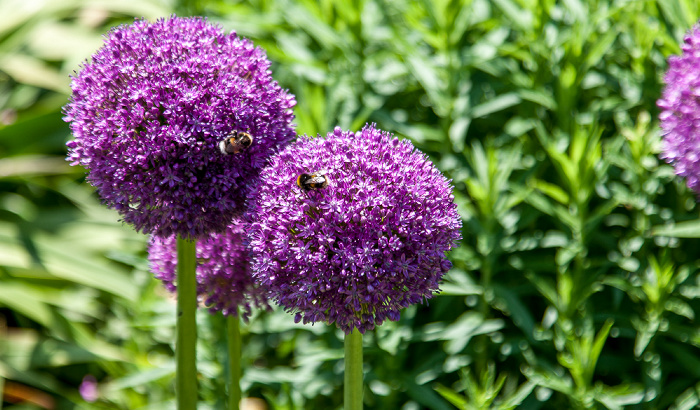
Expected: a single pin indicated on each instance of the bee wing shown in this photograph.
(223, 146)
(316, 179)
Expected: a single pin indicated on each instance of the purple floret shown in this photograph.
(149, 110)
(357, 251)
(680, 111)
(224, 281)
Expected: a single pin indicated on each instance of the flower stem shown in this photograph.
(353, 370)
(234, 361)
(3, 336)
(185, 349)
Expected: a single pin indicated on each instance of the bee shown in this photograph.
(315, 181)
(235, 142)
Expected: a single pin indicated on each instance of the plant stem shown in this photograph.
(3, 336)
(234, 361)
(353, 371)
(185, 349)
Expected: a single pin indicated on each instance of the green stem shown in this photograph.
(353, 370)
(482, 342)
(234, 361)
(185, 349)
(3, 337)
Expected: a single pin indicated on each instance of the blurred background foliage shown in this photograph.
(576, 284)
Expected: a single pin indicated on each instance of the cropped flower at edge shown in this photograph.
(148, 113)
(369, 243)
(224, 281)
(680, 111)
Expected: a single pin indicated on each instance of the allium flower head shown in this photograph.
(369, 243)
(224, 281)
(680, 111)
(149, 110)
(88, 389)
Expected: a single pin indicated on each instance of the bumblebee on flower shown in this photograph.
(148, 115)
(371, 240)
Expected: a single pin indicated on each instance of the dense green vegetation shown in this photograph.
(576, 284)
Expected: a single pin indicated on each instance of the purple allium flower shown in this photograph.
(680, 111)
(148, 113)
(224, 281)
(369, 243)
(88, 389)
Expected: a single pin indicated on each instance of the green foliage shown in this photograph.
(575, 285)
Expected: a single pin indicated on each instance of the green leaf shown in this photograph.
(521, 18)
(33, 71)
(458, 283)
(689, 399)
(458, 333)
(496, 104)
(685, 229)
(425, 395)
(22, 299)
(552, 191)
(599, 342)
(142, 377)
(515, 400)
(549, 379)
(453, 397)
(674, 11)
(599, 49)
(545, 287)
(541, 97)
(518, 311)
(619, 397)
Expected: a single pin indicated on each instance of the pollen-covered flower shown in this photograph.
(680, 111)
(224, 282)
(351, 228)
(148, 114)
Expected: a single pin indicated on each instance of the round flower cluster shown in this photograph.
(224, 282)
(351, 228)
(680, 111)
(149, 111)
